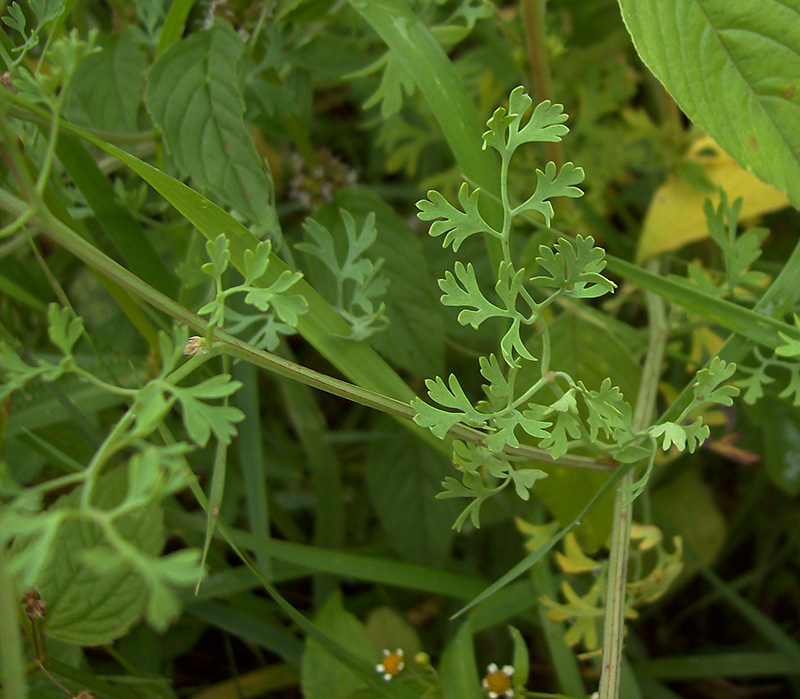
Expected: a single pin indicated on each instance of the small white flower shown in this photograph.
(392, 664)
(497, 682)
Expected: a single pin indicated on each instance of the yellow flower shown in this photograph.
(392, 664)
(498, 682)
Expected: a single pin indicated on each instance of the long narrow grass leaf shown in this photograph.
(532, 558)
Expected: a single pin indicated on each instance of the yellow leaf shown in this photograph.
(538, 534)
(675, 216)
(648, 534)
(574, 560)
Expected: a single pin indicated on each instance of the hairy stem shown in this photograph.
(539, 62)
(614, 626)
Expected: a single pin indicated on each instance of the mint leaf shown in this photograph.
(404, 476)
(86, 607)
(194, 98)
(323, 675)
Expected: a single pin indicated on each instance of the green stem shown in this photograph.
(238, 348)
(541, 80)
(12, 662)
(109, 446)
(614, 626)
(505, 234)
(68, 239)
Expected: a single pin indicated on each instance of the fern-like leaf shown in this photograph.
(456, 225)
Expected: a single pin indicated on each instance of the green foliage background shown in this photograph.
(285, 182)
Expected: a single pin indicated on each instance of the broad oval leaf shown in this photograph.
(404, 477)
(322, 675)
(91, 605)
(193, 96)
(458, 670)
(780, 425)
(733, 69)
(107, 87)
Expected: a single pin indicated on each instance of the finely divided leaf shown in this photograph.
(523, 480)
(219, 254)
(470, 457)
(566, 427)
(462, 289)
(394, 81)
(506, 132)
(707, 388)
(739, 251)
(65, 328)
(550, 184)
(606, 408)
(359, 284)
(512, 345)
(453, 396)
(455, 225)
(449, 395)
(575, 269)
(200, 418)
(791, 348)
(499, 390)
(681, 436)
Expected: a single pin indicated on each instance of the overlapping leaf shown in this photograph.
(575, 269)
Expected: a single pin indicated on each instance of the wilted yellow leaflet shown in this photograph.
(676, 217)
